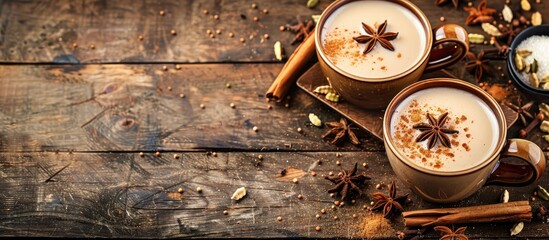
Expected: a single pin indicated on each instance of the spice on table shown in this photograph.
(347, 183)
(442, 2)
(523, 111)
(302, 30)
(239, 194)
(391, 204)
(537, 120)
(517, 228)
(500, 212)
(478, 64)
(198, 189)
(340, 130)
(375, 36)
(447, 233)
(481, 14)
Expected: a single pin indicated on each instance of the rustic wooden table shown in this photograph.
(105, 115)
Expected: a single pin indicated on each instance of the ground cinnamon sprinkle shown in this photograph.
(405, 136)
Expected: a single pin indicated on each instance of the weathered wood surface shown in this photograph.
(131, 107)
(71, 133)
(125, 195)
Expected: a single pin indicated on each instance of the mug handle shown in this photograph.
(451, 44)
(509, 174)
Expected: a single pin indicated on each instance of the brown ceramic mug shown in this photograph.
(370, 80)
(447, 138)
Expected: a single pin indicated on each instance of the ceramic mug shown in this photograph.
(417, 48)
(469, 147)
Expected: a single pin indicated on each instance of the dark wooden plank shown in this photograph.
(125, 195)
(131, 107)
(45, 31)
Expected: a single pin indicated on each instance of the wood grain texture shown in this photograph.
(131, 107)
(125, 195)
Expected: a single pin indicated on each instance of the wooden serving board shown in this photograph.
(369, 120)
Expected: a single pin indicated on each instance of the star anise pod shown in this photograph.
(509, 32)
(376, 36)
(339, 130)
(391, 204)
(302, 30)
(481, 14)
(523, 111)
(442, 2)
(478, 64)
(447, 233)
(347, 182)
(434, 131)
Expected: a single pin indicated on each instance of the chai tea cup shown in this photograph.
(447, 138)
(370, 80)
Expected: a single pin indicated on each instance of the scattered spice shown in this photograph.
(312, 3)
(523, 111)
(347, 182)
(447, 233)
(481, 14)
(478, 64)
(239, 194)
(279, 218)
(434, 131)
(301, 29)
(442, 2)
(517, 228)
(376, 36)
(141, 154)
(338, 132)
(198, 189)
(317, 228)
(391, 204)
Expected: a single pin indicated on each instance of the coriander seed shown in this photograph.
(180, 190)
(336, 218)
(266, 36)
(182, 95)
(354, 215)
(338, 163)
(173, 32)
(205, 11)
(299, 196)
(165, 68)
(198, 189)
(92, 46)
(279, 218)
(317, 216)
(176, 156)
(282, 28)
(157, 154)
(299, 130)
(202, 106)
(74, 45)
(162, 13)
(228, 85)
(225, 212)
(214, 154)
(231, 35)
(242, 40)
(216, 17)
(218, 31)
(265, 11)
(232, 105)
(294, 180)
(140, 37)
(260, 157)
(317, 228)
(255, 129)
(256, 19)
(254, 5)
(141, 154)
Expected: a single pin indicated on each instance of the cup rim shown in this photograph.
(405, 3)
(445, 82)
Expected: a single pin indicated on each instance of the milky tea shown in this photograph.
(346, 54)
(477, 125)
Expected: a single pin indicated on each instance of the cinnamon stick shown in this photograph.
(501, 212)
(292, 69)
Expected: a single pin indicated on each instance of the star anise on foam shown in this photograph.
(523, 111)
(481, 14)
(434, 131)
(339, 130)
(442, 2)
(376, 36)
(448, 234)
(391, 204)
(347, 182)
(478, 64)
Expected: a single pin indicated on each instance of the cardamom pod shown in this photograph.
(527, 68)
(545, 86)
(315, 120)
(544, 108)
(507, 14)
(278, 51)
(546, 138)
(519, 62)
(534, 67)
(239, 193)
(544, 127)
(545, 78)
(315, 18)
(332, 96)
(536, 19)
(525, 5)
(517, 228)
(312, 3)
(491, 29)
(534, 81)
(324, 89)
(476, 38)
(524, 52)
(505, 196)
(543, 193)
